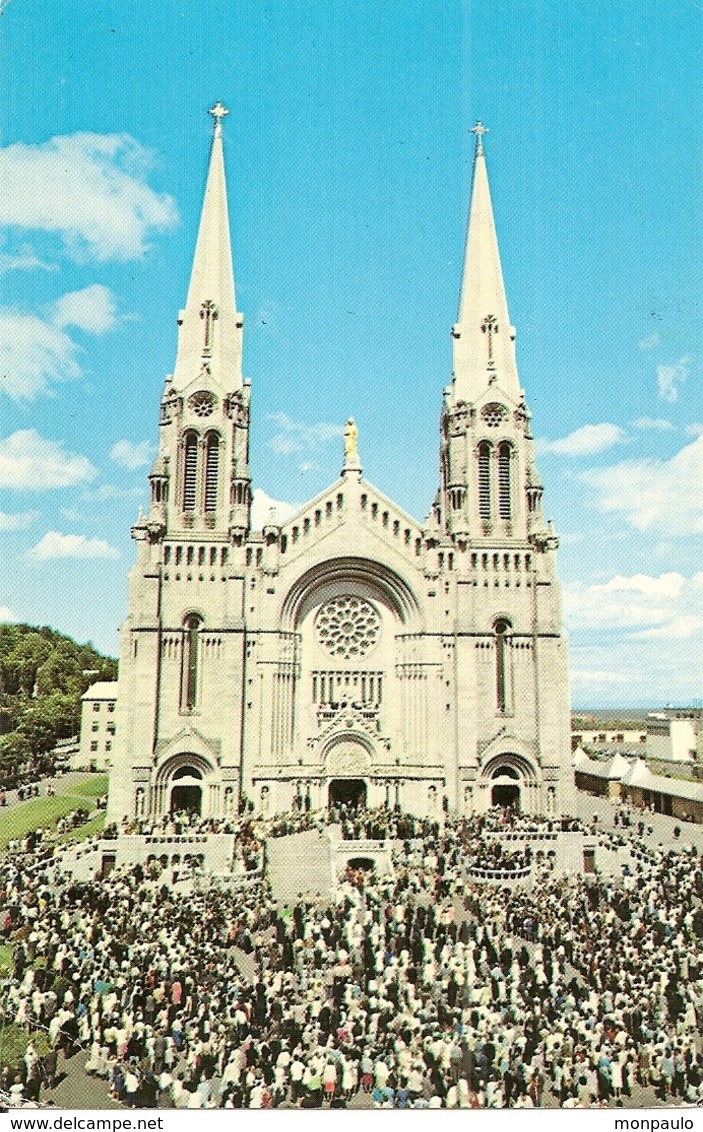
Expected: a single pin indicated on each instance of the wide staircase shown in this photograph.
(299, 864)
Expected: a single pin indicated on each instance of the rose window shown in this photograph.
(202, 404)
(494, 414)
(348, 626)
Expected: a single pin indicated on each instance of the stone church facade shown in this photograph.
(350, 652)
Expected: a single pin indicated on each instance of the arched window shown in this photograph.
(484, 480)
(189, 682)
(190, 470)
(501, 629)
(504, 488)
(212, 467)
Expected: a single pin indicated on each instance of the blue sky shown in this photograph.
(349, 169)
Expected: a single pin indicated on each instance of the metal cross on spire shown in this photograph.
(218, 112)
(479, 129)
(489, 326)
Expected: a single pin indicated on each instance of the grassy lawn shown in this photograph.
(15, 1040)
(83, 832)
(94, 786)
(5, 956)
(45, 812)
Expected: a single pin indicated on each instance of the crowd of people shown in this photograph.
(416, 989)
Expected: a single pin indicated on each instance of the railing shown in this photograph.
(482, 872)
(228, 881)
(515, 835)
(175, 839)
(361, 846)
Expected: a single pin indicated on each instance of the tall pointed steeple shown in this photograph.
(210, 327)
(484, 341)
(201, 479)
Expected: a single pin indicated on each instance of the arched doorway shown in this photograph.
(366, 863)
(506, 788)
(350, 792)
(187, 793)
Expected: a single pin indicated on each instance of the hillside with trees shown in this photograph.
(43, 675)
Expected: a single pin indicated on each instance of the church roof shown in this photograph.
(101, 690)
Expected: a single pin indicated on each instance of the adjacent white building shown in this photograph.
(673, 736)
(98, 715)
(350, 652)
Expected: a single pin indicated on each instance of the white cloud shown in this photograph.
(294, 436)
(666, 585)
(654, 495)
(55, 545)
(23, 260)
(131, 456)
(584, 676)
(111, 491)
(7, 614)
(17, 522)
(35, 351)
(585, 441)
(99, 201)
(651, 341)
(669, 605)
(261, 505)
(92, 309)
(678, 629)
(656, 423)
(669, 378)
(694, 430)
(29, 462)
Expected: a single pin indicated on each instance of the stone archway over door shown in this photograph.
(507, 780)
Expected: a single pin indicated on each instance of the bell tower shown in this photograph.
(490, 490)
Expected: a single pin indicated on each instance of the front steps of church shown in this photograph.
(299, 864)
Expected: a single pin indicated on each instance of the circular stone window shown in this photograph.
(494, 414)
(202, 404)
(348, 626)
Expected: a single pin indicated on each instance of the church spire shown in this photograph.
(484, 341)
(212, 276)
(210, 328)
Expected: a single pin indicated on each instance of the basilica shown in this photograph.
(350, 653)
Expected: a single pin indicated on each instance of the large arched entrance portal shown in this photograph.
(187, 792)
(505, 790)
(350, 792)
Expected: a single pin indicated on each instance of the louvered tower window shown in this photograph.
(484, 481)
(212, 467)
(190, 471)
(504, 492)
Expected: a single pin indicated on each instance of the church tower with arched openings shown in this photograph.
(350, 652)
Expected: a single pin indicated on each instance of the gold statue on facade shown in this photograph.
(351, 439)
